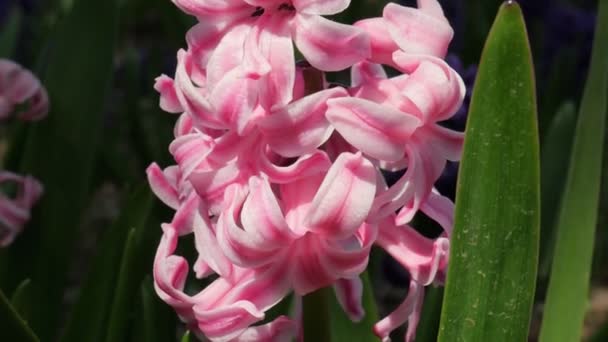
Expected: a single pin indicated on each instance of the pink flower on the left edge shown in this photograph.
(15, 208)
(19, 87)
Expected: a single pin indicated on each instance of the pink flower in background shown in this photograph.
(15, 208)
(19, 87)
(21, 95)
(278, 176)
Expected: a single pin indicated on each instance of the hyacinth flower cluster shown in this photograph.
(23, 97)
(278, 174)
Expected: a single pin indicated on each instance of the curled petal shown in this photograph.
(305, 121)
(210, 254)
(422, 257)
(170, 273)
(408, 310)
(281, 329)
(168, 97)
(382, 44)
(344, 198)
(440, 209)
(418, 32)
(433, 86)
(164, 185)
(262, 216)
(190, 151)
(365, 72)
(305, 166)
(321, 7)
(210, 185)
(211, 8)
(224, 316)
(379, 131)
(245, 246)
(349, 293)
(327, 45)
(276, 46)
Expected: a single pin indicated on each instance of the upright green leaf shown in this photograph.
(10, 32)
(91, 311)
(555, 155)
(494, 251)
(14, 327)
(569, 283)
(156, 320)
(136, 263)
(61, 151)
(428, 328)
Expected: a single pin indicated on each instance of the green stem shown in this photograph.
(316, 318)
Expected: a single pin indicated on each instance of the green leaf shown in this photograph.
(137, 260)
(343, 329)
(21, 299)
(99, 287)
(494, 249)
(156, 319)
(61, 151)
(14, 327)
(428, 327)
(555, 155)
(10, 33)
(187, 337)
(567, 295)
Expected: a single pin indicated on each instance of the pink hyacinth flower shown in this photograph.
(20, 87)
(266, 242)
(240, 60)
(394, 120)
(15, 209)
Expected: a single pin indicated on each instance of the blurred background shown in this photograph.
(108, 126)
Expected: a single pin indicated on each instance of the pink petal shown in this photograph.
(408, 310)
(262, 216)
(209, 250)
(382, 44)
(281, 329)
(321, 7)
(418, 32)
(305, 166)
(344, 198)
(241, 305)
(327, 45)
(440, 209)
(420, 256)
(244, 245)
(276, 46)
(15, 211)
(211, 8)
(434, 87)
(305, 121)
(235, 99)
(379, 131)
(349, 293)
(364, 72)
(168, 97)
(163, 187)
